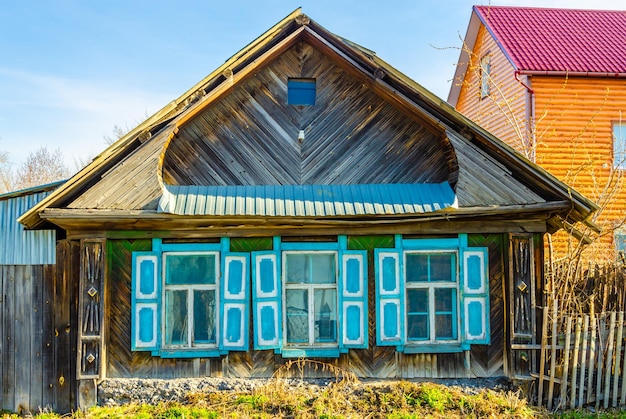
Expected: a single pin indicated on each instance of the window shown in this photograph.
(485, 74)
(301, 91)
(619, 146)
(303, 296)
(432, 295)
(190, 300)
(310, 298)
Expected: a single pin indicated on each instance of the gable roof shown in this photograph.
(551, 41)
(125, 184)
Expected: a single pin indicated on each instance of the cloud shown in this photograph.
(74, 115)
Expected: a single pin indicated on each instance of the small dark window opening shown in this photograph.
(301, 91)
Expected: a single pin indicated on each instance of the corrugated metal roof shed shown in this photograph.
(307, 200)
(18, 246)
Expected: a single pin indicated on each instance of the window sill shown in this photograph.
(434, 348)
(309, 352)
(189, 353)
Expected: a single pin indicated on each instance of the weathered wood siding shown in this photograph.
(37, 347)
(351, 135)
(503, 112)
(375, 361)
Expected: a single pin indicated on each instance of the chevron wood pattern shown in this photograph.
(250, 136)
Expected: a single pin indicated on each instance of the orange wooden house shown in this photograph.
(552, 84)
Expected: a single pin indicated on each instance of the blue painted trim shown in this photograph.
(191, 247)
(156, 245)
(433, 349)
(311, 352)
(430, 244)
(306, 246)
(189, 353)
(342, 240)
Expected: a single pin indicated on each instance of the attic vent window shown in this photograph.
(301, 91)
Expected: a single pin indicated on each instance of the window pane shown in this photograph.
(619, 146)
(323, 268)
(416, 267)
(445, 299)
(189, 269)
(204, 316)
(297, 303)
(441, 267)
(445, 314)
(325, 315)
(176, 317)
(307, 268)
(296, 267)
(417, 314)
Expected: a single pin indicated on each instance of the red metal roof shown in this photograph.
(545, 39)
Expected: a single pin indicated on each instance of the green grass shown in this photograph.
(343, 399)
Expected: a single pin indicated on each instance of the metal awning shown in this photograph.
(307, 200)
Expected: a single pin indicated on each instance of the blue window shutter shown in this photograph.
(145, 318)
(390, 297)
(234, 301)
(475, 294)
(266, 300)
(353, 299)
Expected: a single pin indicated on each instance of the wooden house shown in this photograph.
(552, 84)
(303, 183)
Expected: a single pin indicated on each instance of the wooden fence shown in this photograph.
(582, 360)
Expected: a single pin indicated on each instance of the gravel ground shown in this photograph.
(114, 392)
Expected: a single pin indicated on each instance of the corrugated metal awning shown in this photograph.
(307, 200)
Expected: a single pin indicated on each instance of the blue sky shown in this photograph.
(70, 70)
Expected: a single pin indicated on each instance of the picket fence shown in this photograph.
(582, 360)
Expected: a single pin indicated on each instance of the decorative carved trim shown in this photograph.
(302, 20)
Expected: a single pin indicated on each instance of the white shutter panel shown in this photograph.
(234, 300)
(266, 297)
(146, 280)
(353, 299)
(390, 297)
(475, 276)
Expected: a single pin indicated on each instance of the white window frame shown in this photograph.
(431, 287)
(190, 288)
(485, 75)
(618, 134)
(311, 301)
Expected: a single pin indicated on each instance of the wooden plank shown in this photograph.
(23, 336)
(47, 325)
(4, 302)
(583, 362)
(542, 356)
(609, 361)
(600, 361)
(592, 356)
(618, 352)
(572, 402)
(555, 309)
(36, 342)
(566, 360)
(8, 380)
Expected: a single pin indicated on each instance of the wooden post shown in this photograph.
(618, 351)
(555, 310)
(583, 361)
(542, 355)
(566, 354)
(609, 362)
(592, 355)
(572, 401)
